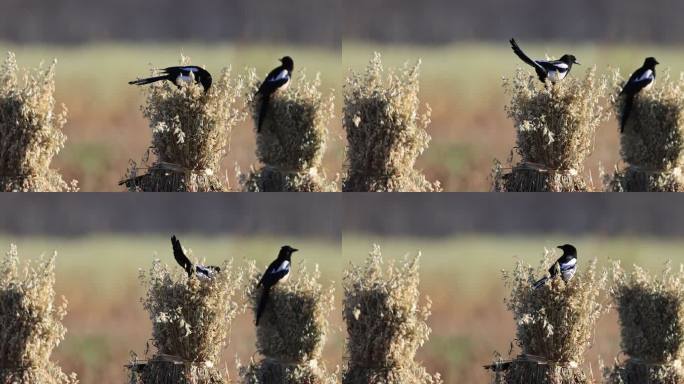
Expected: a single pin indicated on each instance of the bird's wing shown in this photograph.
(639, 79)
(179, 255)
(570, 264)
(524, 57)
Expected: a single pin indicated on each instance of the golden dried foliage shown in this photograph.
(385, 130)
(30, 129)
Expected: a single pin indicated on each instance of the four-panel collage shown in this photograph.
(137, 139)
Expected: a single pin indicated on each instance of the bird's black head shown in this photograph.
(569, 59)
(568, 250)
(650, 62)
(288, 63)
(286, 251)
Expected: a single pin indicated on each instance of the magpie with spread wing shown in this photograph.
(553, 70)
(179, 76)
(278, 79)
(201, 271)
(566, 265)
(642, 79)
(278, 271)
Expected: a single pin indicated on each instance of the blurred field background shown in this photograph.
(465, 241)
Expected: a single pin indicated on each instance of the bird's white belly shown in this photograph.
(555, 76)
(184, 79)
(649, 86)
(567, 275)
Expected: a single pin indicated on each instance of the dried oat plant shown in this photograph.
(651, 312)
(652, 141)
(292, 331)
(385, 322)
(191, 131)
(31, 322)
(555, 126)
(191, 321)
(555, 323)
(30, 129)
(385, 130)
(293, 138)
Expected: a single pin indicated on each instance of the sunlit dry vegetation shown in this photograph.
(651, 313)
(293, 138)
(31, 321)
(385, 130)
(555, 126)
(386, 324)
(292, 332)
(191, 322)
(191, 129)
(31, 129)
(651, 144)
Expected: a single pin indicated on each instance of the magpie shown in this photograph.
(642, 78)
(279, 270)
(179, 76)
(554, 70)
(566, 265)
(278, 79)
(201, 271)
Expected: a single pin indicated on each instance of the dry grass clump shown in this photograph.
(293, 138)
(651, 311)
(652, 142)
(385, 323)
(191, 320)
(292, 331)
(385, 131)
(31, 322)
(555, 126)
(555, 323)
(190, 131)
(30, 130)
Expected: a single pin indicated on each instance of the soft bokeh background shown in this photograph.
(466, 240)
(465, 53)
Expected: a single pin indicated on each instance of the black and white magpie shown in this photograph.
(201, 271)
(179, 76)
(278, 79)
(566, 265)
(642, 78)
(554, 70)
(277, 271)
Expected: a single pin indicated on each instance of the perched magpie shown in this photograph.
(179, 76)
(278, 79)
(554, 70)
(642, 78)
(201, 271)
(566, 265)
(279, 270)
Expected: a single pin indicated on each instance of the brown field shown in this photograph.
(106, 321)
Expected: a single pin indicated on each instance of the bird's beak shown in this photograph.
(657, 62)
(295, 250)
(560, 247)
(577, 62)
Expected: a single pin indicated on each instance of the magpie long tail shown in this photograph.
(521, 54)
(626, 110)
(540, 282)
(262, 303)
(148, 80)
(262, 111)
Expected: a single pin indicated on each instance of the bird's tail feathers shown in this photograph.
(519, 52)
(540, 282)
(148, 80)
(262, 303)
(263, 109)
(626, 110)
